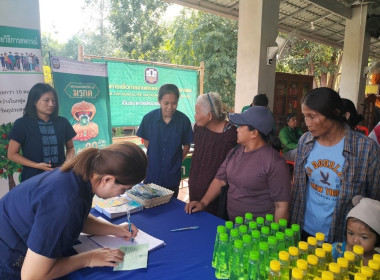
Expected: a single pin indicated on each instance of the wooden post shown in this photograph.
(201, 76)
(80, 53)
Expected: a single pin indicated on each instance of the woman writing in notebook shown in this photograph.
(42, 217)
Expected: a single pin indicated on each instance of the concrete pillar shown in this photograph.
(258, 29)
(355, 57)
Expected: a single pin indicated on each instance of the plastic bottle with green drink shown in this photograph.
(228, 225)
(350, 257)
(268, 219)
(248, 217)
(264, 260)
(237, 263)
(272, 247)
(253, 265)
(274, 228)
(280, 236)
(312, 241)
(296, 233)
(312, 268)
(275, 270)
(360, 276)
(327, 275)
(242, 230)
(293, 256)
(255, 240)
(302, 264)
(264, 234)
(328, 249)
(320, 239)
(283, 257)
(260, 223)
(367, 271)
(358, 251)
(375, 265)
(283, 224)
(219, 230)
(334, 268)
(289, 238)
(303, 250)
(247, 248)
(222, 266)
(252, 225)
(238, 221)
(321, 254)
(343, 263)
(297, 274)
(234, 235)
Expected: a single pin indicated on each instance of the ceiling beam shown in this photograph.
(335, 7)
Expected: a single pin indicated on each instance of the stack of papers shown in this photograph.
(116, 206)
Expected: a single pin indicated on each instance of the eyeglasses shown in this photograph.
(212, 106)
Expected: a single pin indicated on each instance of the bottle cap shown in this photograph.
(343, 262)
(312, 259)
(302, 264)
(375, 265)
(229, 225)
(265, 230)
(295, 227)
(334, 268)
(260, 220)
(263, 246)
(376, 257)
(320, 236)
(254, 255)
(297, 273)
(367, 271)
(320, 253)
(303, 245)
(289, 232)
(243, 229)
(327, 275)
(272, 240)
(269, 217)
(234, 232)
(359, 250)
(248, 216)
(247, 238)
(293, 251)
(275, 226)
(223, 237)
(238, 244)
(252, 225)
(283, 222)
(280, 235)
(283, 256)
(220, 229)
(349, 256)
(312, 241)
(255, 234)
(327, 247)
(275, 265)
(360, 276)
(238, 220)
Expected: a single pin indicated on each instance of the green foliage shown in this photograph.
(7, 167)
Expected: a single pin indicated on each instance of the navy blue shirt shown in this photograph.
(45, 214)
(165, 146)
(26, 132)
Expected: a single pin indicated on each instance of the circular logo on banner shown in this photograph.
(151, 75)
(55, 63)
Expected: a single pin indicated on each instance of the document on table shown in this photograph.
(135, 257)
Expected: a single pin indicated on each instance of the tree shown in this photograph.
(48, 44)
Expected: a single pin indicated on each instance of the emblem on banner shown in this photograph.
(151, 75)
(55, 63)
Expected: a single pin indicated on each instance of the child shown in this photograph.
(363, 228)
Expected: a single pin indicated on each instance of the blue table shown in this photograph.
(187, 254)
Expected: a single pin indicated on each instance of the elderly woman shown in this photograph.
(333, 164)
(213, 138)
(289, 136)
(258, 176)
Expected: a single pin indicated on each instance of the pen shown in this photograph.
(185, 228)
(129, 224)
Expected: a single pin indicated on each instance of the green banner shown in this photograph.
(84, 100)
(134, 89)
(19, 37)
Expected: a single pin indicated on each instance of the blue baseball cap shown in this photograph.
(258, 117)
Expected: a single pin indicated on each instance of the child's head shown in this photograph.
(363, 224)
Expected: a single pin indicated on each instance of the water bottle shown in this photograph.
(275, 270)
(274, 228)
(234, 235)
(283, 257)
(237, 264)
(253, 265)
(335, 269)
(297, 233)
(238, 221)
(242, 230)
(343, 263)
(248, 217)
(272, 247)
(280, 236)
(252, 225)
(320, 239)
(289, 239)
(350, 257)
(247, 248)
(321, 254)
(264, 260)
(228, 225)
(268, 219)
(327, 275)
(312, 241)
(312, 268)
(264, 234)
(297, 274)
(283, 225)
(360, 276)
(219, 230)
(260, 223)
(302, 264)
(375, 265)
(367, 271)
(255, 240)
(293, 256)
(358, 251)
(221, 267)
(328, 249)
(303, 250)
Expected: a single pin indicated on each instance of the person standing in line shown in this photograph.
(167, 135)
(41, 134)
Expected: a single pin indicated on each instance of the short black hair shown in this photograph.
(260, 100)
(168, 89)
(290, 116)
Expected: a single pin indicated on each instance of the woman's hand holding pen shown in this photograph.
(122, 231)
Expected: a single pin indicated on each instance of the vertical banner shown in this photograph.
(82, 89)
(20, 69)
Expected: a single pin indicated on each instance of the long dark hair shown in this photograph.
(34, 95)
(354, 118)
(270, 139)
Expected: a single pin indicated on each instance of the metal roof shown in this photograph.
(317, 20)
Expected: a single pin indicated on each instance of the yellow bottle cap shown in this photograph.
(375, 265)
(275, 265)
(303, 245)
(327, 275)
(293, 251)
(327, 247)
(360, 276)
(312, 240)
(302, 264)
(376, 257)
(359, 250)
(334, 268)
(349, 256)
(343, 262)
(320, 253)
(320, 236)
(297, 273)
(312, 259)
(367, 271)
(283, 255)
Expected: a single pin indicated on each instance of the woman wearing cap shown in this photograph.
(258, 177)
(333, 164)
(289, 136)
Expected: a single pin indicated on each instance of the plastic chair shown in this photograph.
(362, 128)
(289, 162)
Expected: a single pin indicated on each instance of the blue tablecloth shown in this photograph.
(187, 254)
